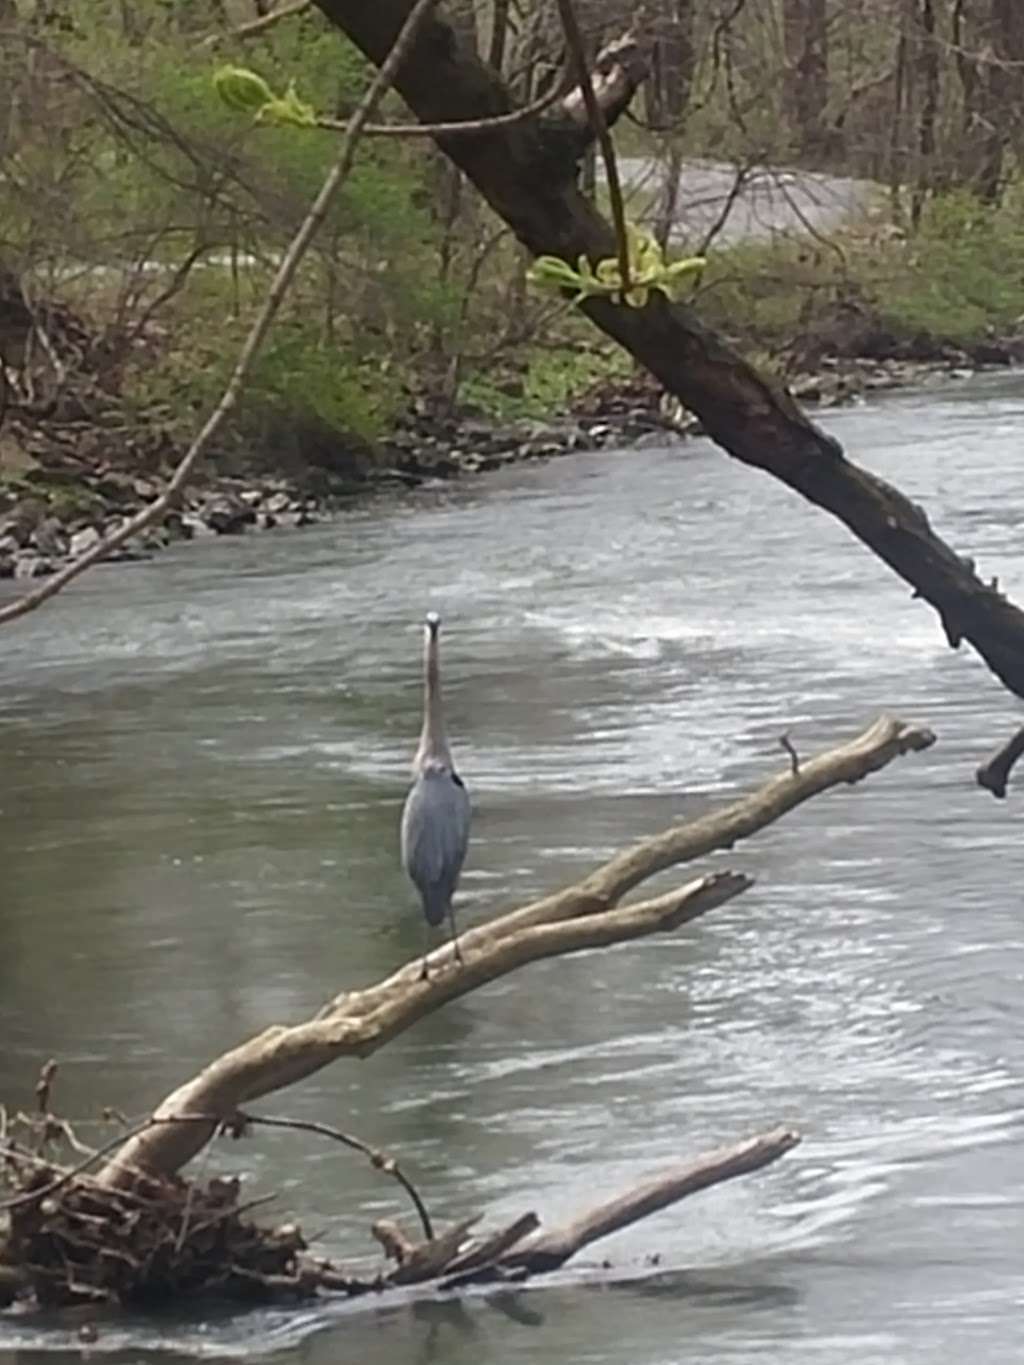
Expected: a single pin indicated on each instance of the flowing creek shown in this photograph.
(202, 762)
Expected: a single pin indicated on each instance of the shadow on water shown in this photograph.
(437, 1329)
(203, 760)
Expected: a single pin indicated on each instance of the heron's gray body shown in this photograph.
(435, 836)
(435, 818)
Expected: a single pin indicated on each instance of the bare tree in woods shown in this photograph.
(673, 63)
(988, 44)
(805, 88)
(928, 70)
(667, 93)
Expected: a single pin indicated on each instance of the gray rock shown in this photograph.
(32, 566)
(195, 528)
(83, 540)
(278, 502)
(131, 552)
(22, 520)
(175, 528)
(228, 515)
(49, 537)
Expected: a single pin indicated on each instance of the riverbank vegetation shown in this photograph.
(142, 220)
(417, 292)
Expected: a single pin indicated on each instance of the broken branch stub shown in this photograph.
(583, 916)
(994, 775)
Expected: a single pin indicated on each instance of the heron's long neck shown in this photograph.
(433, 740)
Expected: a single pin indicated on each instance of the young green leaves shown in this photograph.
(647, 270)
(249, 93)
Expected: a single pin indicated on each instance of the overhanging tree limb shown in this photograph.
(527, 173)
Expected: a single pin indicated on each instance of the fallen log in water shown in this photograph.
(73, 1241)
(137, 1231)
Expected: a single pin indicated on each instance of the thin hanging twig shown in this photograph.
(380, 1160)
(286, 271)
(574, 41)
(471, 125)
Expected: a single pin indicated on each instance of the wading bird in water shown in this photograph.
(435, 820)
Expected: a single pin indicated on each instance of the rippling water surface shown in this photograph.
(202, 760)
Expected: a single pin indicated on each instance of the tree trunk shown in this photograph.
(527, 173)
(805, 87)
(928, 71)
(673, 60)
(988, 41)
(1006, 81)
(499, 34)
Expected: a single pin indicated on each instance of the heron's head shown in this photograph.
(433, 624)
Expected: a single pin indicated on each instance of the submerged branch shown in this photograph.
(549, 1250)
(172, 1239)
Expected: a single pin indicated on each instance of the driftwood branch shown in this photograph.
(522, 1246)
(599, 128)
(549, 1250)
(166, 1238)
(529, 178)
(586, 915)
(360, 1022)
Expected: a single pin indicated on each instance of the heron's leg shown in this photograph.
(455, 937)
(424, 973)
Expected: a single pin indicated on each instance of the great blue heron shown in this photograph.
(435, 820)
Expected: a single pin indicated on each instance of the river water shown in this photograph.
(203, 760)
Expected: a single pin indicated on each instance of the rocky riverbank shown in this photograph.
(54, 507)
(56, 503)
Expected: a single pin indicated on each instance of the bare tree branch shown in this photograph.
(586, 915)
(549, 1250)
